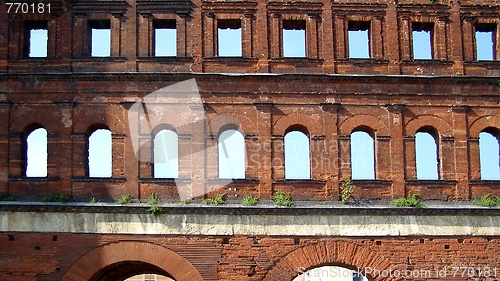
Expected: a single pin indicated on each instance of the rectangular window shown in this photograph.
(165, 38)
(36, 39)
(485, 42)
(422, 35)
(359, 39)
(294, 38)
(100, 38)
(229, 38)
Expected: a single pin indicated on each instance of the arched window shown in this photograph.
(232, 161)
(489, 156)
(100, 154)
(166, 155)
(36, 153)
(330, 273)
(297, 156)
(362, 156)
(426, 156)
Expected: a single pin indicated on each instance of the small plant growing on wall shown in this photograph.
(346, 190)
(249, 200)
(4, 197)
(54, 197)
(154, 200)
(282, 199)
(219, 199)
(185, 201)
(94, 200)
(413, 202)
(124, 199)
(487, 201)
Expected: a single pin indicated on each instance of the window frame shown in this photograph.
(417, 26)
(89, 135)
(228, 23)
(28, 27)
(306, 134)
(359, 25)
(104, 24)
(293, 24)
(26, 151)
(164, 24)
(486, 27)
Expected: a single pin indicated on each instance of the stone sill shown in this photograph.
(35, 179)
(99, 59)
(367, 61)
(165, 59)
(426, 62)
(264, 208)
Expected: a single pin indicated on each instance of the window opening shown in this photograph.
(297, 156)
(294, 38)
(165, 34)
(229, 37)
(359, 39)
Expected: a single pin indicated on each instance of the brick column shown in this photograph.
(118, 152)
(247, 36)
(331, 160)
(275, 37)
(59, 147)
(377, 39)
(116, 35)
(473, 156)
(461, 158)
(468, 39)
(404, 38)
(440, 39)
(383, 158)
(344, 156)
(80, 36)
(497, 41)
(402, 150)
(183, 45)
(391, 43)
(198, 152)
(144, 40)
(312, 35)
(265, 147)
(340, 40)
(52, 45)
(79, 146)
(410, 160)
(4, 147)
(455, 47)
(447, 158)
(209, 25)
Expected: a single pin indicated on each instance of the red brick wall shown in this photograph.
(35, 256)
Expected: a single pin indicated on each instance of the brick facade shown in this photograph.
(264, 95)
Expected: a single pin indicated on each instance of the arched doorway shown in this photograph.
(333, 252)
(330, 273)
(125, 259)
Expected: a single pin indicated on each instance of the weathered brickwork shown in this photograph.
(327, 109)
(49, 256)
(264, 95)
(390, 23)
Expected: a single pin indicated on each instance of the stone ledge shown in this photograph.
(263, 220)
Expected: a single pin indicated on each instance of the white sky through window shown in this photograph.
(38, 43)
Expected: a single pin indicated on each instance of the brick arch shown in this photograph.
(483, 122)
(341, 253)
(98, 258)
(232, 120)
(358, 120)
(283, 123)
(428, 121)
